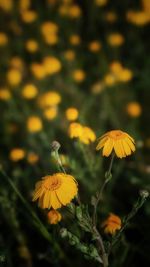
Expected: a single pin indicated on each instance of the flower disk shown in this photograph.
(55, 190)
(122, 143)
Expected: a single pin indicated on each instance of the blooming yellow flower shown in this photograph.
(115, 39)
(34, 124)
(55, 190)
(122, 143)
(79, 75)
(48, 28)
(32, 46)
(69, 55)
(38, 70)
(24, 4)
(29, 91)
(6, 5)
(146, 6)
(139, 18)
(75, 130)
(72, 114)
(112, 224)
(134, 109)
(75, 39)
(3, 39)
(17, 154)
(50, 113)
(49, 99)
(95, 46)
(29, 16)
(74, 11)
(51, 39)
(52, 65)
(84, 133)
(14, 77)
(54, 216)
(32, 158)
(110, 79)
(5, 94)
(125, 75)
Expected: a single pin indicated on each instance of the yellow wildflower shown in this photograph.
(32, 158)
(87, 136)
(95, 46)
(54, 216)
(69, 55)
(17, 154)
(32, 46)
(55, 190)
(134, 109)
(122, 143)
(101, 2)
(75, 39)
(52, 65)
(74, 11)
(5, 94)
(78, 75)
(115, 39)
(112, 224)
(14, 77)
(50, 113)
(75, 130)
(3, 39)
(29, 91)
(38, 70)
(29, 16)
(72, 114)
(34, 124)
(49, 99)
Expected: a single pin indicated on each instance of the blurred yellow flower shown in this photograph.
(122, 143)
(24, 4)
(3, 39)
(95, 46)
(49, 99)
(48, 28)
(54, 216)
(125, 75)
(14, 77)
(111, 16)
(72, 114)
(74, 11)
(115, 39)
(146, 6)
(17, 63)
(85, 134)
(115, 67)
(110, 79)
(32, 158)
(112, 224)
(51, 39)
(34, 124)
(75, 39)
(52, 65)
(5, 94)
(29, 91)
(69, 55)
(98, 87)
(50, 113)
(101, 2)
(6, 5)
(38, 70)
(28, 16)
(17, 154)
(134, 109)
(138, 18)
(78, 75)
(55, 190)
(32, 46)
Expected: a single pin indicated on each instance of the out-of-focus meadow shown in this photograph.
(61, 62)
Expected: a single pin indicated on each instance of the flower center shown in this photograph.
(52, 183)
(116, 134)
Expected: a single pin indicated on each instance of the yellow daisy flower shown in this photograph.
(55, 190)
(54, 217)
(112, 224)
(122, 143)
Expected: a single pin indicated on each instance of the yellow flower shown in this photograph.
(112, 224)
(74, 11)
(29, 91)
(146, 6)
(17, 154)
(32, 46)
(75, 39)
(122, 143)
(72, 114)
(125, 75)
(101, 2)
(134, 109)
(95, 46)
(14, 77)
(75, 130)
(24, 4)
(34, 124)
(5, 94)
(111, 16)
(49, 99)
(84, 133)
(69, 55)
(79, 75)
(52, 65)
(50, 113)
(6, 5)
(54, 216)
(51, 39)
(29, 16)
(17, 63)
(98, 87)
(109, 79)
(87, 136)
(115, 67)
(38, 70)
(3, 39)
(32, 158)
(138, 18)
(115, 39)
(55, 190)
(48, 28)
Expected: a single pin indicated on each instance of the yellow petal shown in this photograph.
(131, 145)
(117, 149)
(127, 149)
(55, 203)
(101, 143)
(108, 147)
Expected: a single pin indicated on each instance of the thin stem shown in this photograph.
(101, 247)
(99, 197)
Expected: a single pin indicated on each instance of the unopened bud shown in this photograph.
(55, 146)
(144, 193)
